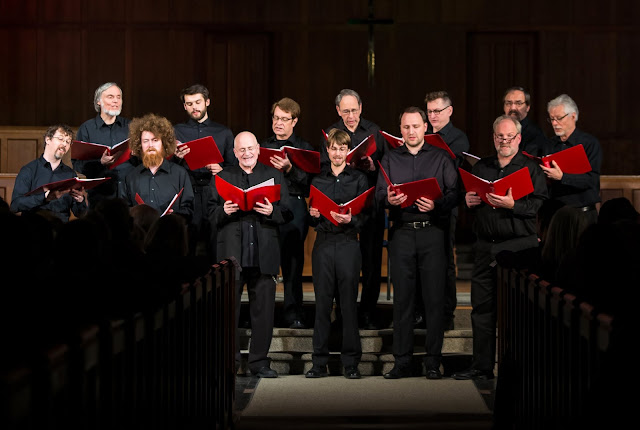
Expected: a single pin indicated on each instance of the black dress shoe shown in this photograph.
(434, 374)
(367, 322)
(265, 372)
(398, 372)
(297, 324)
(475, 374)
(418, 320)
(352, 372)
(317, 372)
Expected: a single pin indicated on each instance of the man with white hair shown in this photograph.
(107, 128)
(581, 191)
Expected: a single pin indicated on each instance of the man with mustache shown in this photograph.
(195, 100)
(517, 103)
(44, 170)
(581, 191)
(252, 237)
(506, 224)
(107, 128)
(156, 181)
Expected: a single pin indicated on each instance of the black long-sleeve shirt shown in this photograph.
(192, 130)
(35, 174)
(501, 224)
(456, 139)
(573, 189)
(363, 130)
(95, 130)
(297, 179)
(533, 139)
(429, 162)
(348, 185)
(157, 190)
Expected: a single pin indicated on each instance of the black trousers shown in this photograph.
(371, 237)
(484, 306)
(450, 294)
(417, 255)
(292, 237)
(336, 266)
(262, 296)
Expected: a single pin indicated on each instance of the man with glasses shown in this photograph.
(195, 100)
(284, 117)
(107, 128)
(349, 108)
(44, 170)
(578, 190)
(439, 111)
(516, 103)
(252, 237)
(506, 224)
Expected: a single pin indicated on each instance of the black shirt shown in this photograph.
(157, 190)
(35, 174)
(455, 138)
(577, 190)
(192, 130)
(429, 162)
(95, 130)
(533, 139)
(297, 179)
(501, 224)
(348, 185)
(363, 130)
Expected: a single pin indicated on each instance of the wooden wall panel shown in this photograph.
(7, 181)
(20, 145)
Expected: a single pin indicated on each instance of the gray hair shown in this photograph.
(347, 92)
(101, 89)
(567, 102)
(504, 118)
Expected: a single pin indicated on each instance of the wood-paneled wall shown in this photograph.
(250, 53)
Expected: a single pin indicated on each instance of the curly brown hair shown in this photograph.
(159, 126)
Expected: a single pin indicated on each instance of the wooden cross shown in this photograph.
(371, 53)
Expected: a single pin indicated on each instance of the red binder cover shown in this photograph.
(246, 199)
(428, 188)
(363, 149)
(171, 203)
(93, 151)
(432, 139)
(325, 205)
(519, 182)
(394, 141)
(68, 184)
(571, 160)
(204, 151)
(304, 159)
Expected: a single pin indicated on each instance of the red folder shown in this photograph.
(571, 160)
(363, 149)
(304, 159)
(519, 182)
(171, 203)
(93, 151)
(68, 184)
(394, 141)
(325, 205)
(428, 188)
(325, 135)
(204, 151)
(432, 139)
(246, 199)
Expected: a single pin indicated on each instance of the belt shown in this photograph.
(415, 225)
(326, 235)
(587, 208)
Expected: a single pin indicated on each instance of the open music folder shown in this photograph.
(246, 199)
(81, 150)
(432, 139)
(519, 182)
(304, 159)
(428, 188)
(169, 206)
(325, 205)
(363, 149)
(68, 184)
(203, 152)
(571, 160)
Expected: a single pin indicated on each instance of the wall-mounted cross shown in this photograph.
(371, 53)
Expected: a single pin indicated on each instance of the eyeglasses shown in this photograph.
(516, 103)
(349, 111)
(437, 112)
(276, 118)
(66, 141)
(250, 149)
(551, 119)
(505, 139)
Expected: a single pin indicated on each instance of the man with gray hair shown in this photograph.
(581, 191)
(107, 128)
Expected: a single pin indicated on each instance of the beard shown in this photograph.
(199, 115)
(152, 158)
(113, 112)
(515, 113)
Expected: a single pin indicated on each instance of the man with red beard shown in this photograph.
(156, 181)
(44, 170)
(506, 224)
(252, 237)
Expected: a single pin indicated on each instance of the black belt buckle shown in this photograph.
(587, 208)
